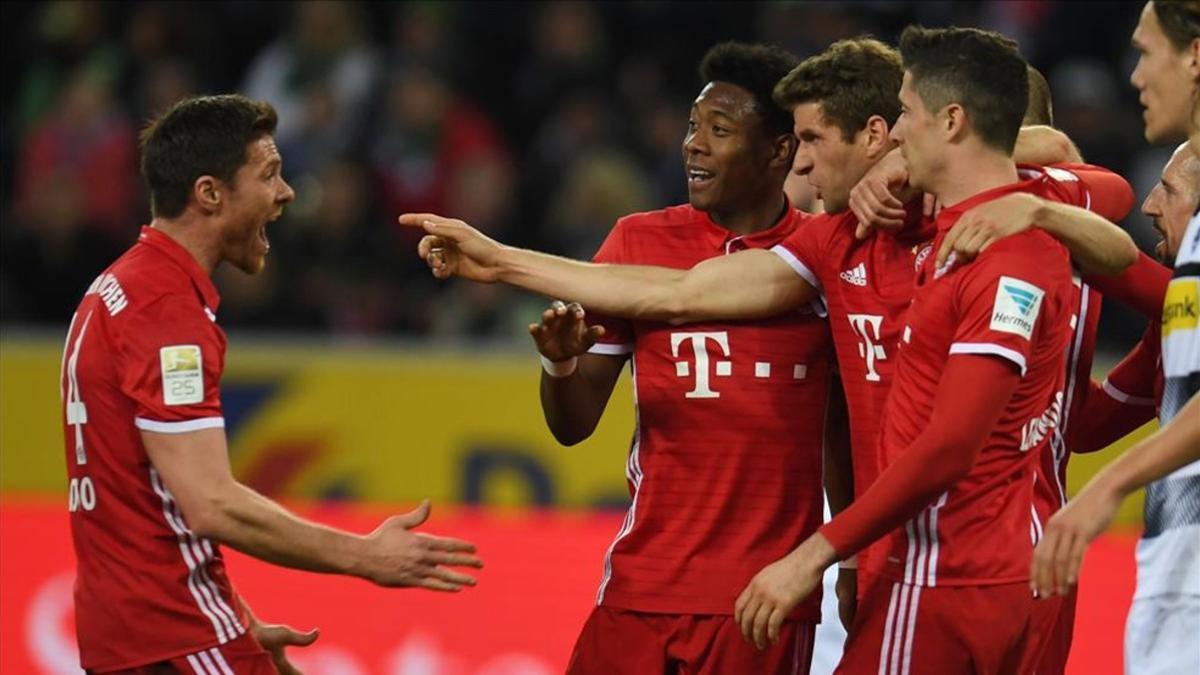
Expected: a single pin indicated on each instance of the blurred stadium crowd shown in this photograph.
(539, 122)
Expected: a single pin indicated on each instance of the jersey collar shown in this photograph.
(178, 255)
(787, 223)
(950, 215)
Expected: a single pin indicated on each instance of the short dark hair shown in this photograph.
(1180, 21)
(980, 70)
(853, 80)
(755, 68)
(199, 136)
(1041, 105)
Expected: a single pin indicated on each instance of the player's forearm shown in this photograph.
(1096, 245)
(1107, 420)
(1170, 448)
(963, 415)
(625, 291)
(242, 519)
(1141, 287)
(1043, 145)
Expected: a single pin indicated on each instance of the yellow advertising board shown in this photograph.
(370, 423)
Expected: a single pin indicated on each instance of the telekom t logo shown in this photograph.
(700, 350)
(867, 326)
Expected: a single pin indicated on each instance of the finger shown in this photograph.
(455, 559)
(416, 516)
(746, 623)
(928, 205)
(576, 310)
(421, 220)
(885, 209)
(559, 307)
(435, 543)
(862, 230)
(433, 584)
(1044, 557)
(591, 335)
(427, 244)
(739, 605)
(1075, 561)
(761, 616)
(452, 577)
(774, 624)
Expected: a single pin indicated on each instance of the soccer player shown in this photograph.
(151, 494)
(725, 463)
(1168, 591)
(957, 492)
(1164, 615)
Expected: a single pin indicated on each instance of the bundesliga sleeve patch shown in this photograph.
(1016, 307)
(182, 374)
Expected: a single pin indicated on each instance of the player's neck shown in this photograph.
(196, 239)
(762, 216)
(966, 174)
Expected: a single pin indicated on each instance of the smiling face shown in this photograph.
(1165, 79)
(916, 132)
(257, 197)
(1173, 200)
(831, 164)
(727, 151)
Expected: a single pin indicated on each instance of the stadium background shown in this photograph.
(356, 385)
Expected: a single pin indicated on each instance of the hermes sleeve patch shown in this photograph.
(182, 374)
(1016, 307)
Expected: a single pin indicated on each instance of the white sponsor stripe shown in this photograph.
(931, 575)
(912, 549)
(805, 273)
(901, 621)
(226, 610)
(1118, 395)
(208, 663)
(197, 667)
(1061, 453)
(906, 665)
(923, 556)
(181, 535)
(179, 427)
(990, 348)
(888, 627)
(610, 349)
(1035, 525)
(62, 366)
(633, 471)
(220, 661)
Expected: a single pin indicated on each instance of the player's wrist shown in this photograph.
(559, 369)
(850, 563)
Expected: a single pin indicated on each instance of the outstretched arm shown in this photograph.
(745, 285)
(1058, 556)
(195, 474)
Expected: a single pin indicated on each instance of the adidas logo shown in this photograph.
(856, 276)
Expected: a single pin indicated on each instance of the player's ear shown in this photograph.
(953, 120)
(207, 191)
(876, 136)
(784, 151)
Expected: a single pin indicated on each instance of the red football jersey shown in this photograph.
(725, 463)
(143, 352)
(866, 287)
(1012, 303)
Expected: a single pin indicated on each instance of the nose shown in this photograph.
(802, 165)
(288, 193)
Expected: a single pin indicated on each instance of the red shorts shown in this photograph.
(617, 642)
(243, 656)
(1056, 618)
(905, 630)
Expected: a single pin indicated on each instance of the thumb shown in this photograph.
(416, 516)
(279, 635)
(861, 231)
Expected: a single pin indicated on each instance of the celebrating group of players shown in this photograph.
(920, 352)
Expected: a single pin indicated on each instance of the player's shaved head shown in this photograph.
(1041, 107)
(853, 80)
(982, 71)
(755, 68)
